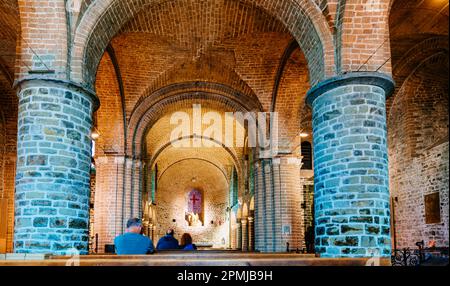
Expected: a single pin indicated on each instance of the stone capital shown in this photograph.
(58, 83)
(380, 80)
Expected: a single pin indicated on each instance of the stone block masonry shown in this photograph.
(53, 168)
(352, 205)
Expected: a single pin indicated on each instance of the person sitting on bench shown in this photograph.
(132, 242)
(168, 242)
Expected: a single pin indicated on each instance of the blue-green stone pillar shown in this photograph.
(53, 167)
(352, 206)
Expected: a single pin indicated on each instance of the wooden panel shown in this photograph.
(3, 224)
(432, 208)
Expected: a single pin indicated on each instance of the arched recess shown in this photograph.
(410, 62)
(195, 159)
(176, 96)
(415, 56)
(103, 20)
(111, 114)
(166, 101)
(230, 152)
(173, 201)
(288, 97)
(414, 98)
(418, 140)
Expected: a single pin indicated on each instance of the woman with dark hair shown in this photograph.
(186, 242)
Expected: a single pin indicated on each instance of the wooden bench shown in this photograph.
(206, 258)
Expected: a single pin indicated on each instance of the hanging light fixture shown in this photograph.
(304, 135)
(95, 134)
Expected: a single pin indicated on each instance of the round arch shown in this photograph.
(304, 20)
(228, 150)
(153, 107)
(195, 159)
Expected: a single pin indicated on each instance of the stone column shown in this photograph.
(244, 227)
(351, 165)
(278, 213)
(264, 211)
(132, 207)
(259, 208)
(233, 243)
(251, 235)
(239, 235)
(53, 167)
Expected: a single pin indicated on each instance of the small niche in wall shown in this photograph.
(306, 149)
(432, 208)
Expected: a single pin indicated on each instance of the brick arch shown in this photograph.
(411, 62)
(412, 95)
(174, 96)
(228, 150)
(288, 97)
(413, 58)
(232, 155)
(199, 72)
(103, 21)
(197, 159)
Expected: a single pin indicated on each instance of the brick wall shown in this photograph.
(423, 175)
(418, 149)
(172, 202)
(363, 36)
(43, 44)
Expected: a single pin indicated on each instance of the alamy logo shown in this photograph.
(375, 257)
(73, 6)
(229, 129)
(74, 259)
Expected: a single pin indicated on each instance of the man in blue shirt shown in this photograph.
(132, 242)
(168, 242)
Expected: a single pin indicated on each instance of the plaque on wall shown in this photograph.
(287, 229)
(432, 208)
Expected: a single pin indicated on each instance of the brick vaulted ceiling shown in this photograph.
(182, 37)
(177, 42)
(412, 21)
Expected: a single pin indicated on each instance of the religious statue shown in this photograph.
(194, 220)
